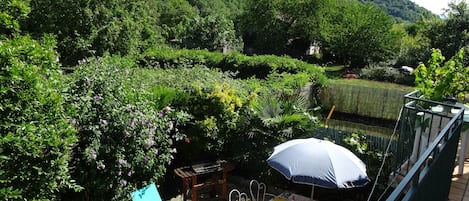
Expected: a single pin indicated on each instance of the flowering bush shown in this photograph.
(124, 141)
(225, 122)
(214, 99)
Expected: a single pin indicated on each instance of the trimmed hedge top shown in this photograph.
(245, 66)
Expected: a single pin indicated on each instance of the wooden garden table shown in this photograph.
(189, 175)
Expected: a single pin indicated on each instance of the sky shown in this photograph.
(434, 6)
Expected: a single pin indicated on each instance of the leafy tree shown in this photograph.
(358, 33)
(268, 33)
(231, 9)
(414, 45)
(279, 23)
(36, 138)
(11, 12)
(92, 27)
(210, 7)
(451, 34)
(175, 17)
(213, 32)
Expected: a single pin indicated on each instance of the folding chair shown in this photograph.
(236, 195)
(258, 191)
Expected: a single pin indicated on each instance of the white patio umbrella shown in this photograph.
(318, 163)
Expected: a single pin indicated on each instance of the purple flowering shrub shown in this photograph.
(125, 142)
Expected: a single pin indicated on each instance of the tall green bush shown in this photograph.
(36, 136)
(125, 140)
(212, 32)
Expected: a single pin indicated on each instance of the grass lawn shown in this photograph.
(334, 72)
(334, 68)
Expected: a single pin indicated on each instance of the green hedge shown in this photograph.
(36, 137)
(366, 98)
(245, 66)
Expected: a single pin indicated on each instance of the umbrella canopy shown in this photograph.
(318, 163)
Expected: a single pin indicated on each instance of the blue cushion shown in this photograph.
(147, 193)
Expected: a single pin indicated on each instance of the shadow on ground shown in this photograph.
(171, 191)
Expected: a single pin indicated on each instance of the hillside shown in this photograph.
(401, 10)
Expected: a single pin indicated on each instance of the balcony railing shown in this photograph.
(427, 147)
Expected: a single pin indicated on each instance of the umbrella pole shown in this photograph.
(312, 193)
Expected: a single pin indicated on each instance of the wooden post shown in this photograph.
(329, 115)
(194, 188)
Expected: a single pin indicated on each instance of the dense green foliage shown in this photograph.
(128, 133)
(401, 10)
(275, 118)
(11, 12)
(349, 22)
(275, 24)
(451, 34)
(212, 32)
(447, 34)
(228, 8)
(415, 46)
(175, 17)
(126, 138)
(342, 29)
(36, 137)
(84, 28)
(116, 123)
(244, 66)
(354, 33)
(222, 109)
(215, 101)
(91, 28)
(440, 79)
